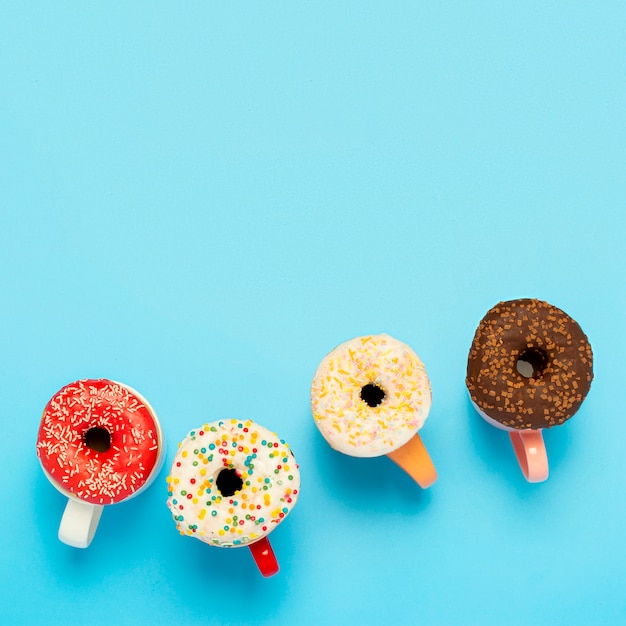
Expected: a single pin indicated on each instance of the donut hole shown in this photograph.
(98, 439)
(228, 482)
(372, 394)
(531, 362)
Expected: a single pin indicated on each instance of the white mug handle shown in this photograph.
(79, 523)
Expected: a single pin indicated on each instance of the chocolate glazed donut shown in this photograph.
(530, 365)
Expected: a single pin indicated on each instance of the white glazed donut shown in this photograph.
(231, 483)
(370, 395)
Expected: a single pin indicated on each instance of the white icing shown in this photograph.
(264, 463)
(346, 421)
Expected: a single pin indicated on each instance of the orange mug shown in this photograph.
(369, 397)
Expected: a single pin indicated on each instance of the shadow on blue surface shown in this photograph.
(494, 449)
(369, 485)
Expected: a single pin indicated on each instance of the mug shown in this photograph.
(369, 397)
(99, 443)
(528, 446)
(529, 368)
(232, 482)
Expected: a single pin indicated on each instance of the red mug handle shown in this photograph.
(263, 556)
(530, 451)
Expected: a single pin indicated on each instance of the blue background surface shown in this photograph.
(201, 200)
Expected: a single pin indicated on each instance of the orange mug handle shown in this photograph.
(414, 459)
(530, 451)
(264, 557)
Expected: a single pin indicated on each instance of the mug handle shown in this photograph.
(414, 459)
(79, 522)
(264, 557)
(531, 454)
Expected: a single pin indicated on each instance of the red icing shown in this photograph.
(98, 477)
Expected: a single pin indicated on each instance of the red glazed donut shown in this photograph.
(98, 441)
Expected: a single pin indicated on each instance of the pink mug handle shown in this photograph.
(530, 451)
(263, 556)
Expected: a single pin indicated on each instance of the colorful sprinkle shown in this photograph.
(229, 524)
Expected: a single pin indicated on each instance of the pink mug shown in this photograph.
(530, 367)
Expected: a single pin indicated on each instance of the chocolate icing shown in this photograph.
(555, 345)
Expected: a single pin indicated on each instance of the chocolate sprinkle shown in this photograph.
(555, 390)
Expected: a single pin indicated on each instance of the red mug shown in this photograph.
(231, 483)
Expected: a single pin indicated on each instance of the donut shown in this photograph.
(99, 441)
(370, 396)
(231, 483)
(530, 365)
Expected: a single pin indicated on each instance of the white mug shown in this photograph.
(99, 443)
